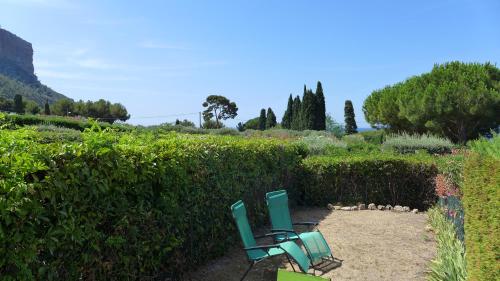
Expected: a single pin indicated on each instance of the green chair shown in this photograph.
(257, 253)
(315, 244)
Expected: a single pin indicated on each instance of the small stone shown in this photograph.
(354, 208)
(428, 228)
(415, 211)
(398, 208)
(388, 207)
(330, 206)
(372, 206)
(345, 208)
(406, 209)
(381, 207)
(362, 207)
(337, 207)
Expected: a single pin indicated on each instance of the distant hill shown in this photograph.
(17, 75)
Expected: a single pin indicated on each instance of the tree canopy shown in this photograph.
(219, 107)
(270, 119)
(350, 122)
(457, 100)
(308, 113)
(262, 120)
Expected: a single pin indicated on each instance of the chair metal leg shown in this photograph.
(246, 272)
(290, 263)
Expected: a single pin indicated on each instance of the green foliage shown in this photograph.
(100, 110)
(487, 147)
(308, 110)
(321, 145)
(270, 119)
(185, 123)
(406, 143)
(262, 120)
(333, 127)
(449, 263)
(288, 116)
(129, 206)
(240, 127)
(296, 123)
(459, 101)
(379, 178)
(320, 113)
(350, 121)
(212, 124)
(481, 195)
(219, 107)
(373, 137)
(252, 124)
(46, 108)
(18, 104)
(31, 107)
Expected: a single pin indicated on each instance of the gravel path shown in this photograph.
(374, 245)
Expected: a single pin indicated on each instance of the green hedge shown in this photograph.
(128, 207)
(481, 198)
(376, 178)
(405, 143)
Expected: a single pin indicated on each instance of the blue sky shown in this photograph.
(162, 58)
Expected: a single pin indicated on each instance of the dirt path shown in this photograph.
(374, 245)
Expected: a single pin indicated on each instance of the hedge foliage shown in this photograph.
(372, 178)
(481, 198)
(405, 143)
(122, 207)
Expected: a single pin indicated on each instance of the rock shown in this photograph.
(388, 207)
(428, 228)
(398, 208)
(362, 207)
(406, 209)
(354, 208)
(345, 208)
(415, 211)
(330, 206)
(372, 206)
(337, 207)
(381, 207)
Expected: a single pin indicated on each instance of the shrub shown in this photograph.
(449, 263)
(481, 195)
(374, 137)
(320, 145)
(129, 206)
(406, 143)
(377, 178)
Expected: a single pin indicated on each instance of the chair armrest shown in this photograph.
(313, 223)
(272, 234)
(284, 230)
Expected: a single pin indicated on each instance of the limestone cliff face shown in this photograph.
(17, 51)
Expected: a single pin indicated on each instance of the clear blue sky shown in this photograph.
(162, 58)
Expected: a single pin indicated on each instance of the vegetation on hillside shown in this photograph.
(38, 93)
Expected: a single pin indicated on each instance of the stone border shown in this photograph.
(372, 206)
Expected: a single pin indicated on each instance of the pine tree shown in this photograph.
(350, 122)
(18, 104)
(262, 120)
(47, 108)
(270, 119)
(286, 122)
(308, 111)
(296, 114)
(320, 108)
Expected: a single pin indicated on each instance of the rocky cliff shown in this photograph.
(16, 50)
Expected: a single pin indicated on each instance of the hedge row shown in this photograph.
(481, 198)
(129, 207)
(381, 179)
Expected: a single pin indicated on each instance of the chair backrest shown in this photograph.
(277, 203)
(240, 216)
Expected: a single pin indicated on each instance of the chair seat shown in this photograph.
(259, 254)
(313, 241)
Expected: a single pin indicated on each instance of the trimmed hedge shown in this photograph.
(129, 207)
(481, 198)
(381, 179)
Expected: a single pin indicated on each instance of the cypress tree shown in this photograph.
(286, 122)
(262, 120)
(270, 119)
(47, 108)
(18, 104)
(320, 108)
(350, 122)
(296, 114)
(308, 110)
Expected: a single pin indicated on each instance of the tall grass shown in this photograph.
(449, 264)
(406, 143)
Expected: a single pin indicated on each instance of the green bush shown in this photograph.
(374, 137)
(405, 143)
(320, 145)
(373, 178)
(129, 206)
(449, 263)
(481, 195)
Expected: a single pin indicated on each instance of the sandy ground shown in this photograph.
(374, 245)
